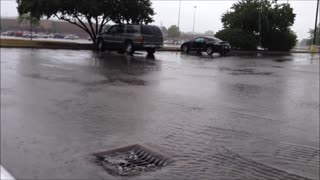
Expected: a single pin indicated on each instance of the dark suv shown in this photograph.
(127, 38)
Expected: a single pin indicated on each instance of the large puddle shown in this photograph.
(219, 118)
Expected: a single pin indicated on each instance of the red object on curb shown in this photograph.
(18, 34)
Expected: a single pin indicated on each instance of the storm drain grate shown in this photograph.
(130, 161)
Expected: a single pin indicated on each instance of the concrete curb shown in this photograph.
(21, 43)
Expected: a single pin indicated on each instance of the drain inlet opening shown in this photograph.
(130, 161)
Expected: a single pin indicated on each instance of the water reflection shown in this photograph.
(113, 64)
(150, 57)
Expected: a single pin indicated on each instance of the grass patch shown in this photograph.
(24, 43)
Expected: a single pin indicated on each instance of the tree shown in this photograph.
(132, 11)
(279, 40)
(90, 16)
(311, 33)
(27, 18)
(209, 32)
(238, 38)
(264, 18)
(173, 31)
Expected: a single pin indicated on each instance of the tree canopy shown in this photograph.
(209, 32)
(26, 18)
(173, 31)
(268, 20)
(91, 15)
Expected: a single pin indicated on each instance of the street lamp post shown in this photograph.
(259, 25)
(313, 46)
(194, 17)
(315, 25)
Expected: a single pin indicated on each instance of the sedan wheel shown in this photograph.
(129, 48)
(185, 48)
(209, 50)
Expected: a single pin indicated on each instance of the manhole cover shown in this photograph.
(130, 161)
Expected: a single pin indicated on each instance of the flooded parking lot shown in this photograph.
(249, 117)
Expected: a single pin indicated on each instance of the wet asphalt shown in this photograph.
(248, 117)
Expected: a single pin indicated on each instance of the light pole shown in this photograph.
(194, 17)
(315, 25)
(313, 46)
(259, 19)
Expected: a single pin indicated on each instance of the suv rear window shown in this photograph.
(151, 30)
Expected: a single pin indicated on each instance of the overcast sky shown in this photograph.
(208, 13)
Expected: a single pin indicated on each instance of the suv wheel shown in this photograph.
(129, 48)
(100, 45)
(210, 50)
(151, 51)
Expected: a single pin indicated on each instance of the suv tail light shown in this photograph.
(141, 39)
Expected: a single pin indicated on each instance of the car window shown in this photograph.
(151, 30)
(120, 29)
(113, 29)
(199, 40)
(132, 29)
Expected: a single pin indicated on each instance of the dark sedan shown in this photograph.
(207, 44)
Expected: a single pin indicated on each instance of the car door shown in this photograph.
(120, 36)
(111, 38)
(199, 44)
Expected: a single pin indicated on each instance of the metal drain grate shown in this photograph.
(130, 161)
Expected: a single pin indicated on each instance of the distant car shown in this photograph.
(45, 36)
(206, 44)
(4, 33)
(167, 42)
(71, 36)
(58, 36)
(130, 38)
(28, 35)
(8, 33)
(18, 34)
(172, 42)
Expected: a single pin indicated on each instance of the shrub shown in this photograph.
(238, 38)
(279, 41)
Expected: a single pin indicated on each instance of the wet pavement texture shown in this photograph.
(248, 117)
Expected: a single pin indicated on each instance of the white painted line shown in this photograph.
(5, 175)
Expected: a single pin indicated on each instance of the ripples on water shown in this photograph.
(207, 152)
